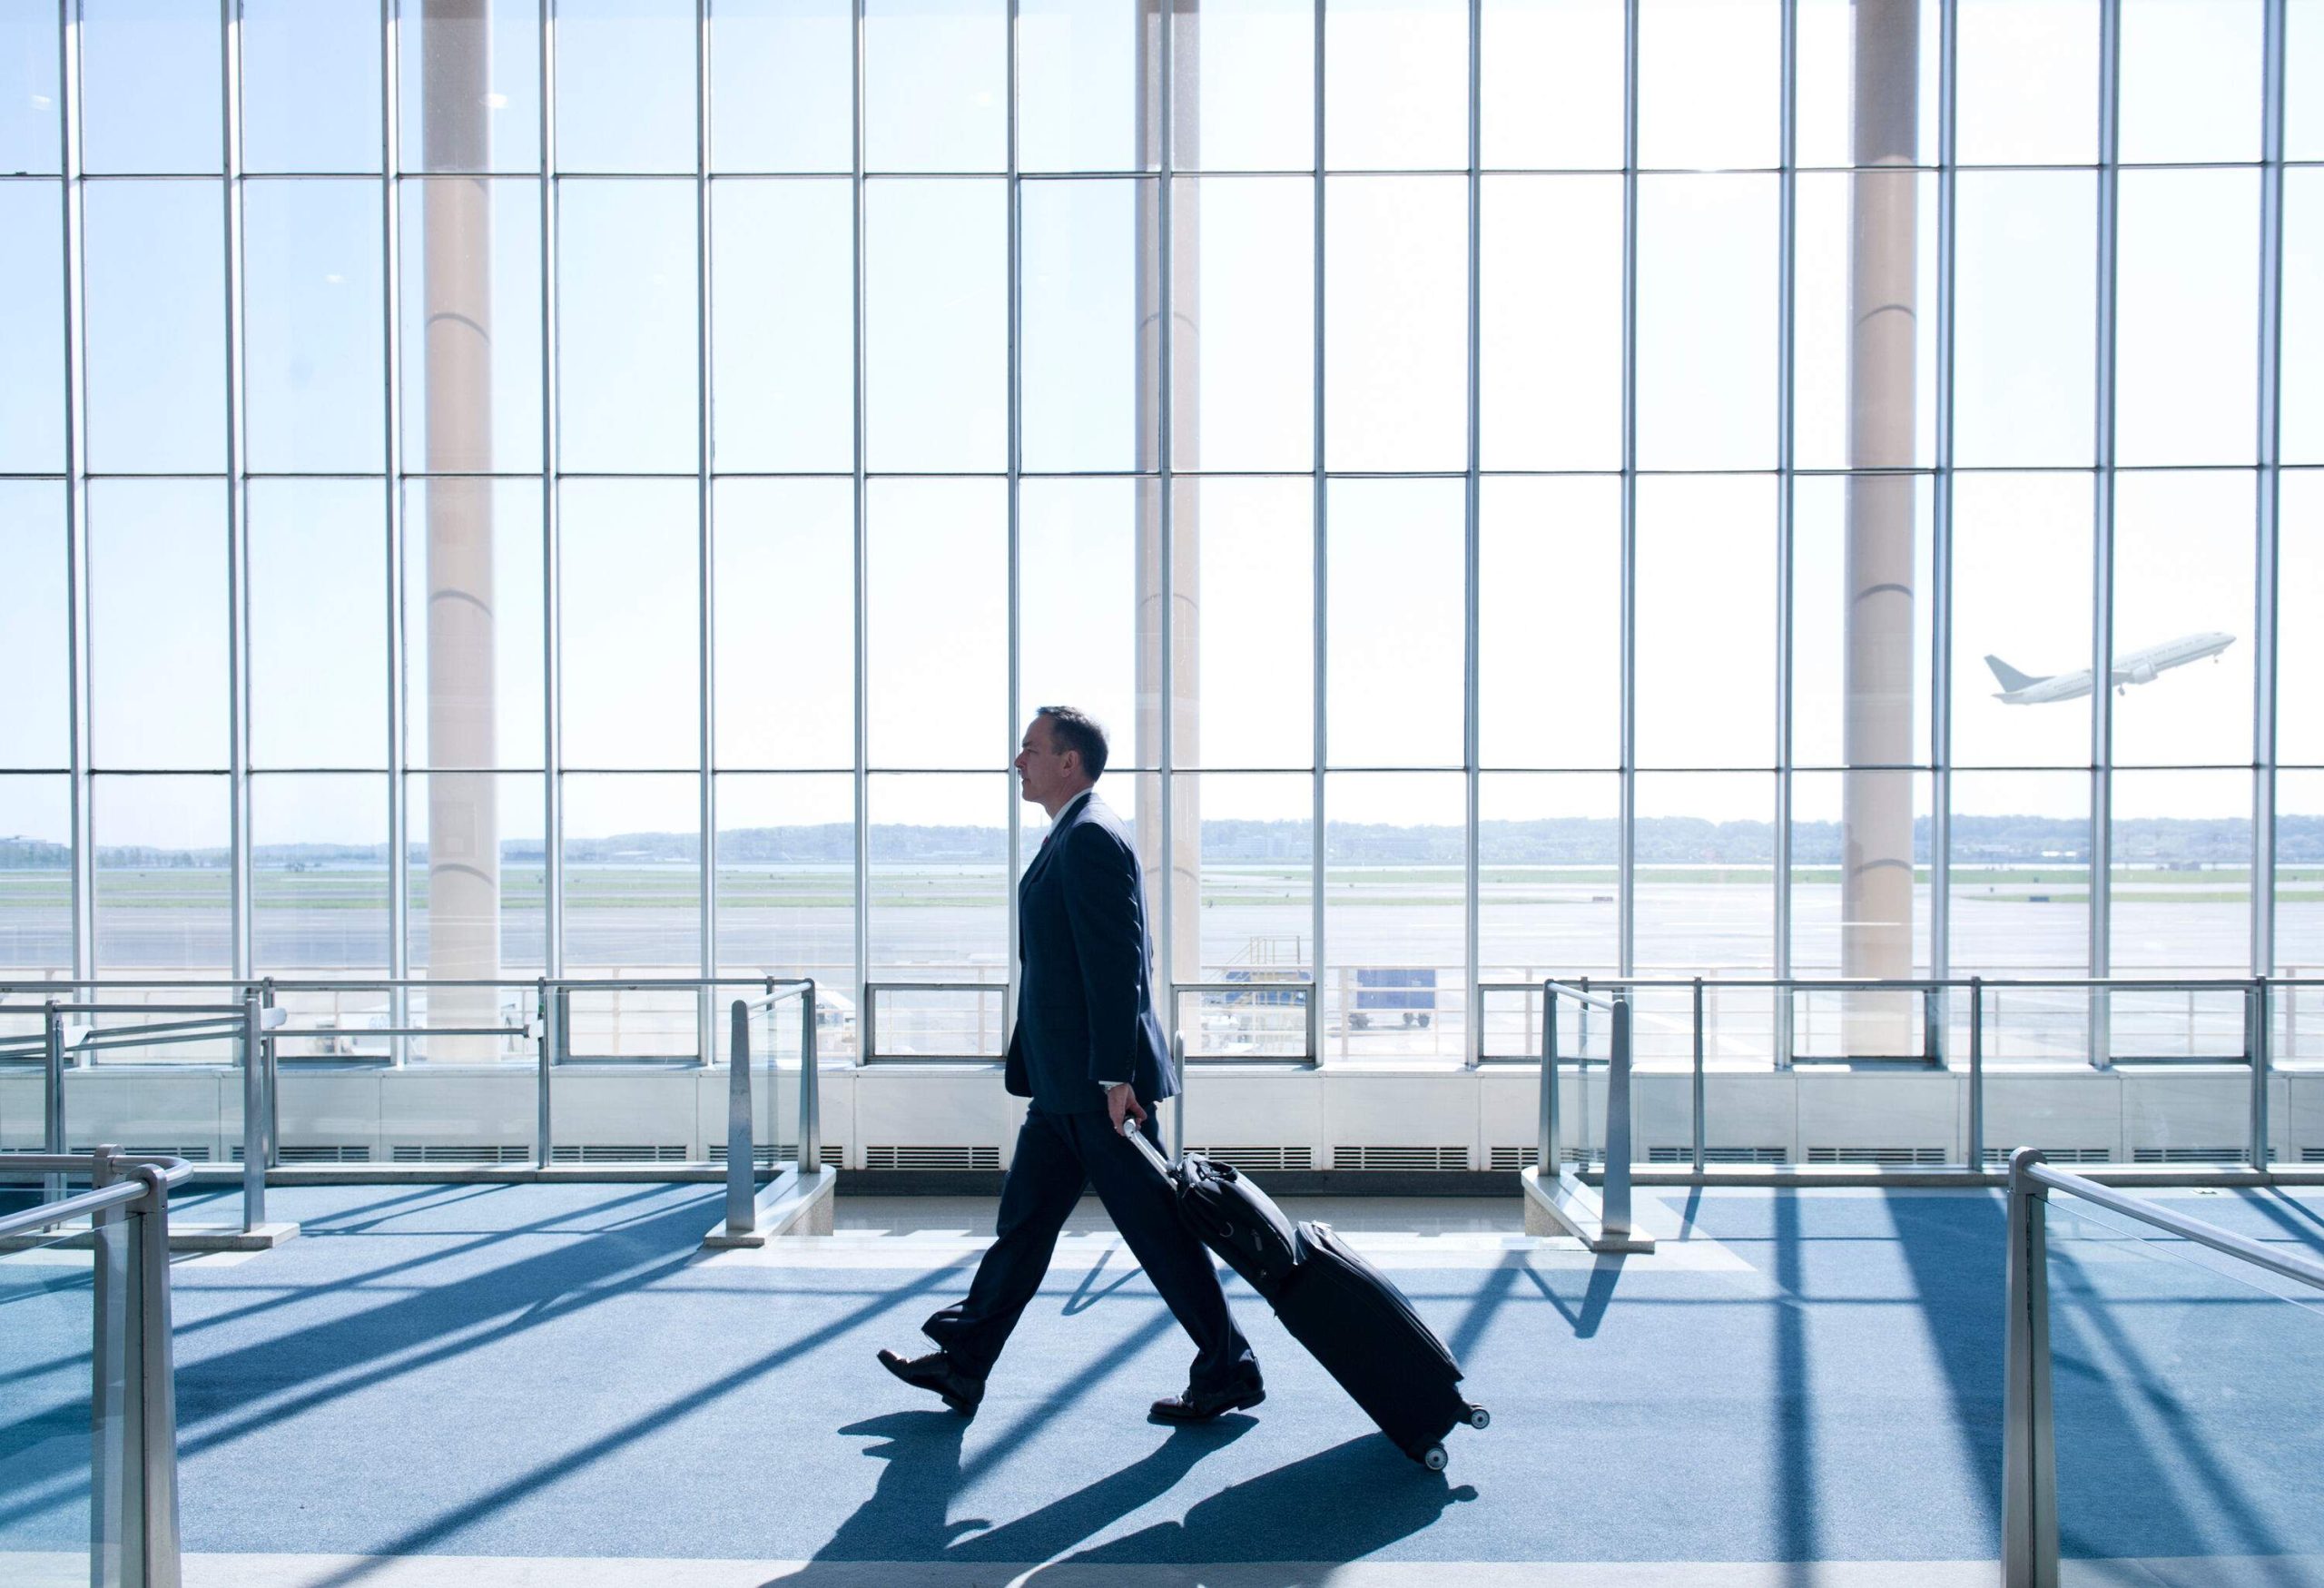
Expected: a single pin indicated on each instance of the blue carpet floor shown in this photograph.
(554, 1371)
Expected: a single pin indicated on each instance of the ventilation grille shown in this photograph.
(1260, 1160)
(1711, 1155)
(2187, 1155)
(1998, 1157)
(619, 1152)
(312, 1153)
(430, 1152)
(1408, 1158)
(932, 1158)
(765, 1156)
(190, 1154)
(1507, 1159)
(1904, 1157)
(2311, 1155)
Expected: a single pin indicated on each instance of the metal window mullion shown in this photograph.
(706, 551)
(862, 583)
(1165, 509)
(1626, 858)
(76, 497)
(237, 655)
(1787, 388)
(1015, 603)
(2102, 628)
(2268, 529)
(552, 620)
(1940, 927)
(1319, 593)
(391, 269)
(1472, 736)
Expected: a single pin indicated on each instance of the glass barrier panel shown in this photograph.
(48, 1453)
(2198, 1023)
(2188, 1390)
(1509, 1024)
(950, 1022)
(1268, 1021)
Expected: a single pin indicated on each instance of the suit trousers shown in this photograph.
(1056, 1154)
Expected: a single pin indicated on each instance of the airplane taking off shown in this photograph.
(2134, 667)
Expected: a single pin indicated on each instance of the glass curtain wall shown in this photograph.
(1672, 488)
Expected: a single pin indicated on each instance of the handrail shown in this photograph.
(741, 1156)
(2029, 1529)
(1614, 1230)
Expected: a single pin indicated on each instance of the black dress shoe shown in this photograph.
(1196, 1407)
(935, 1372)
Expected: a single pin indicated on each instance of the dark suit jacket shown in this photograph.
(1085, 1014)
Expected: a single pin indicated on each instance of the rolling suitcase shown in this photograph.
(1349, 1315)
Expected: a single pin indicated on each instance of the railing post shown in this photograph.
(2029, 1518)
(114, 1479)
(867, 1023)
(1316, 1021)
(150, 1404)
(1178, 1103)
(2255, 1045)
(1616, 1200)
(271, 1080)
(1932, 1027)
(742, 1160)
(1977, 1072)
(1547, 1165)
(253, 1114)
(552, 1005)
(811, 1103)
(52, 1102)
(1699, 1126)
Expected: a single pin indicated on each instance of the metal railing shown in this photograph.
(1255, 997)
(982, 1048)
(133, 1508)
(742, 1150)
(1614, 1192)
(2029, 1511)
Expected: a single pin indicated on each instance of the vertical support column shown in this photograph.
(2102, 626)
(1615, 1203)
(552, 1020)
(1626, 821)
(1787, 491)
(391, 427)
(811, 1084)
(2269, 483)
(741, 1157)
(1546, 1161)
(52, 1101)
(1012, 723)
(2029, 1513)
(151, 1402)
(706, 546)
(253, 1115)
(1976, 1073)
(1472, 548)
(76, 501)
(115, 1500)
(238, 568)
(1700, 1123)
(1320, 594)
(2255, 1047)
(1940, 716)
(552, 542)
(863, 588)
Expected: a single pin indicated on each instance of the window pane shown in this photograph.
(1254, 73)
(476, 872)
(2028, 81)
(782, 76)
(785, 590)
(2182, 602)
(1902, 81)
(1710, 80)
(1257, 882)
(1078, 84)
(2299, 907)
(786, 883)
(1085, 377)
(1553, 83)
(1550, 384)
(31, 115)
(2303, 315)
(633, 882)
(1244, 382)
(2020, 877)
(318, 875)
(782, 328)
(1396, 84)
(472, 325)
(631, 602)
(2300, 654)
(1549, 622)
(311, 86)
(471, 87)
(936, 324)
(935, 93)
(319, 624)
(1860, 904)
(1090, 559)
(1865, 328)
(1395, 329)
(32, 328)
(1861, 599)
(1397, 663)
(626, 337)
(157, 626)
(472, 622)
(938, 615)
(35, 876)
(2182, 897)
(155, 262)
(1549, 866)
(1706, 890)
(2027, 356)
(625, 86)
(150, 96)
(2303, 75)
(1705, 622)
(1707, 339)
(164, 903)
(1258, 540)
(2188, 329)
(2190, 80)
(2020, 611)
(315, 381)
(35, 612)
(940, 884)
(1395, 976)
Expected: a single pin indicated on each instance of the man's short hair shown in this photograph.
(1077, 731)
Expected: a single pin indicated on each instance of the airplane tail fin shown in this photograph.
(2011, 678)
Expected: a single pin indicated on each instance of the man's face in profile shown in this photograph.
(1045, 773)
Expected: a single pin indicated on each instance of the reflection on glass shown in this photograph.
(631, 599)
(1078, 88)
(624, 85)
(1085, 379)
(626, 372)
(935, 86)
(1090, 560)
(1395, 86)
(1394, 975)
(1552, 83)
(1709, 72)
(1860, 889)
(150, 95)
(471, 83)
(314, 386)
(1550, 350)
(318, 623)
(785, 589)
(1395, 319)
(937, 624)
(2182, 617)
(474, 879)
(1706, 621)
(48, 1292)
(1903, 61)
(2187, 316)
(156, 341)
(1549, 622)
(164, 898)
(311, 86)
(781, 79)
(936, 329)
(1258, 621)
(32, 333)
(782, 337)
(36, 875)
(35, 730)
(319, 875)
(1255, 74)
(2028, 83)
(1395, 568)
(471, 325)
(157, 599)
(472, 622)
(1242, 366)
(1861, 597)
(1707, 340)
(1864, 329)
(2026, 289)
(2021, 619)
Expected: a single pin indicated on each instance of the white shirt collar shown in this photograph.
(1072, 806)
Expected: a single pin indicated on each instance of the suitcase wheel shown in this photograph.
(1480, 1418)
(1433, 1458)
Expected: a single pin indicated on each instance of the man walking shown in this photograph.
(1088, 1051)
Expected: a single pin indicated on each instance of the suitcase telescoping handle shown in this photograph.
(1137, 1139)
